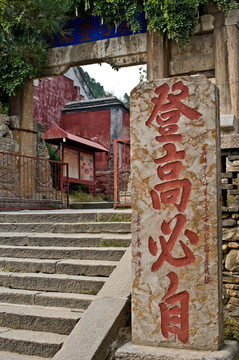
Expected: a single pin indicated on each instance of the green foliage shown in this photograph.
(142, 74)
(23, 25)
(54, 153)
(97, 89)
(26, 24)
(80, 193)
(231, 330)
(4, 108)
(126, 99)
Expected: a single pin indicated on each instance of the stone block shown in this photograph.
(232, 261)
(231, 278)
(228, 123)
(230, 141)
(233, 245)
(229, 222)
(136, 352)
(230, 234)
(225, 248)
(233, 293)
(233, 310)
(197, 55)
(176, 244)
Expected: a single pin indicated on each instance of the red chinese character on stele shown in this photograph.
(168, 246)
(173, 191)
(175, 311)
(173, 102)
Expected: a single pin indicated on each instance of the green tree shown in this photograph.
(97, 89)
(23, 26)
(126, 99)
(26, 24)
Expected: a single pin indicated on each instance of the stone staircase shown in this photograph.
(52, 265)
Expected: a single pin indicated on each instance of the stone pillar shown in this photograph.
(26, 134)
(22, 106)
(157, 56)
(231, 24)
(221, 63)
(176, 223)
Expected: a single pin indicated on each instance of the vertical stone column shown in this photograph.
(176, 214)
(157, 56)
(231, 24)
(22, 106)
(221, 63)
(176, 225)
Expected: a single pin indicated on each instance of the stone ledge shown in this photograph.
(230, 351)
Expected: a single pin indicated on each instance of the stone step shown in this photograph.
(70, 267)
(62, 216)
(43, 344)
(5, 355)
(42, 298)
(38, 318)
(94, 227)
(68, 228)
(52, 282)
(51, 252)
(49, 239)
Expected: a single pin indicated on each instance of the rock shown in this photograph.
(230, 277)
(233, 293)
(229, 222)
(233, 245)
(234, 301)
(231, 286)
(230, 234)
(225, 248)
(232, 261)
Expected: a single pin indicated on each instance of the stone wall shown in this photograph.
(230, 224)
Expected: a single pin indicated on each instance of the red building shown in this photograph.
(70, 105)
(102, 121)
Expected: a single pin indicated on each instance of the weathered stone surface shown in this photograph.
(197, 55)
(126, 50)
(234, 293)
(234, 301)
(228, 222)
(224, 248)
(233, 310)
(230, 141)
(100, 324)
(165, 264)
(232, 286)
(233, 245)
(228, 124)
(230, 278)
(230, 234)
(132, 352)
(232, 261)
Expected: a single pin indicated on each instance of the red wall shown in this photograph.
(93, 125)
(126, 126)
(50, 97)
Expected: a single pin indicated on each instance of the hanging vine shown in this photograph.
(26, 24)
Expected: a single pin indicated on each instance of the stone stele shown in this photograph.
(176, 299)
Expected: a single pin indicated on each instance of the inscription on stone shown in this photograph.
(176, 237)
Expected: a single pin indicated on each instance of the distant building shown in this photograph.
(68, 102)
(102, 121)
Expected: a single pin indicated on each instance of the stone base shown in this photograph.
(230, 351)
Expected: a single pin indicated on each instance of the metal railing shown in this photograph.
(32, 183)
(122, 191)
